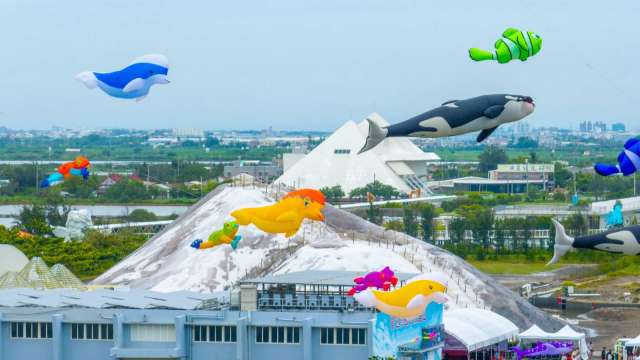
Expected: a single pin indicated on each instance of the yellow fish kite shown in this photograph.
(409, 301)
(285, 216)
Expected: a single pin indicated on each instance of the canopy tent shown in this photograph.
(565, 334)
(633, 342)
(535, 333)
(478, 328)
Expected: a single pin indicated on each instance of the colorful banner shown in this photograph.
(393, 337)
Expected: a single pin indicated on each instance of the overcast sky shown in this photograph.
(311, 65)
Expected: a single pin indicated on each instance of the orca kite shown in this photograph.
(483, 113)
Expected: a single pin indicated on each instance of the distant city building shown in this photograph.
(480, 184)
(618, 127)
(588, 126)
(523, 172)
(188, 133)
(397, 162)
(260, 170)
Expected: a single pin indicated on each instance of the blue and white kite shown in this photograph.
(628, 160)
(132, 82)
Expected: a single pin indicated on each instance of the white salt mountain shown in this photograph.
(343, 242)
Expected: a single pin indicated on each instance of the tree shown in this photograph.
(33, 220)
(126, 190)
(141, 215)
(500, 235)
(374, 214)
(333, 193)
(576, 224)
(490, 158)
(395, 225)
(376, 188)
(427, 214)
(525, 143)
(561, 175)
(457, 228)
(409, 220)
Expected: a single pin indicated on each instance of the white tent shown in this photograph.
(535, 333)
(564, 334)
(478, 328)
(633, 342)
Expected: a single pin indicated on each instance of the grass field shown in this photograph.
(496, 267)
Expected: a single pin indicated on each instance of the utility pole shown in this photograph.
(36, 165)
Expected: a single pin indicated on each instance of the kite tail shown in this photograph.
(481, 55)
(44, 183)
(375, 136)
(606, 170)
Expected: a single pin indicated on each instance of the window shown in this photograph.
(277, 335)
(215, 333)
(343, 336)
(92, 331)
(31, 330)
(153, 333)
(342, 151)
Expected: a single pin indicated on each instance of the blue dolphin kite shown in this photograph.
(132, 82)
(628, 160)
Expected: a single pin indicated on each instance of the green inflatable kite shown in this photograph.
(515, 44)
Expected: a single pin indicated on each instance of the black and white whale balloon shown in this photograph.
(623, 240)
(483, 113)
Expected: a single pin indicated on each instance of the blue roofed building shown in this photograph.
(304, 315)
(301, 315)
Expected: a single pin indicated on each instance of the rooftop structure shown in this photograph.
(396, 162)
(11, 259)
(67, 324)
(475, 183)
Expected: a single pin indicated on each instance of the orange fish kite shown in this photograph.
(285, 216)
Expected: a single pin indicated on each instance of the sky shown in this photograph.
(311, 64)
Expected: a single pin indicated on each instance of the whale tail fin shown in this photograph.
(88, 79)
(606, 169)
(375, 136)
(563, 244)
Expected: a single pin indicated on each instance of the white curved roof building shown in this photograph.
(396, 161)
(11, 259)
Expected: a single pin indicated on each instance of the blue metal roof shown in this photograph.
(103, 298)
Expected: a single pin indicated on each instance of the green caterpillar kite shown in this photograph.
(515, 44)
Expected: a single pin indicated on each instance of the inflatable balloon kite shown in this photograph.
(456, 117)
(226, 235)
(621, 240)
(285, 216)
(615, 217)
(514, 45)
(409, 301)
(132, 82)
(79, 167)
(628, 161)
(381, 280)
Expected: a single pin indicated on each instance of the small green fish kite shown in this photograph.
(515, 44)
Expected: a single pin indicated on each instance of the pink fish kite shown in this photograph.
(381, 280)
